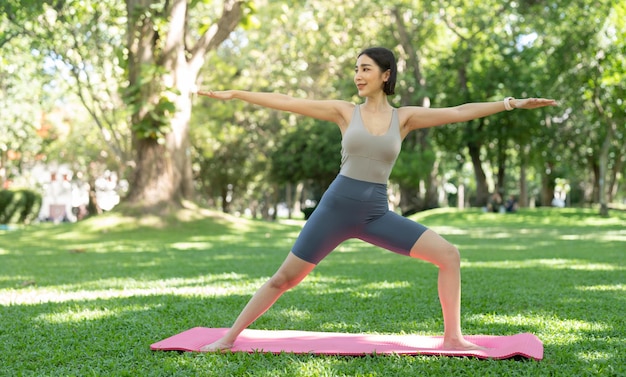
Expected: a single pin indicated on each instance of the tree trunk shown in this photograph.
(603, 162)
(547, 186)
(522, 200)
(473, 145)
(501, 175)
(482, 189)
(155, 182)
(162, 74)
(595, 184)
(613, 185)
(411, 199)
(602, 186)
(225, 203)
(523, 177)
(431, 196)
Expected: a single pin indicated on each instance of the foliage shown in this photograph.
(24, 103)
(310, 151)
(413, 166)
(19, 206)
(72, 88)
(156, 124)
(451, 52)
(89, 298)
(224, 168)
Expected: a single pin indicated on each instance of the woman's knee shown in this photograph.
(435, 249)
(291, 273)
(282, 282)
(451, 257)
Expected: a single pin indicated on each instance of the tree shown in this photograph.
(585, 58)
(417, 166)
(24, 102)
(165, 56)
(605, 84)
(303, 50)
(166, 44)
(310, 151)
(473, 57)
(133, 67)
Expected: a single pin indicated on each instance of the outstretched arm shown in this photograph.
(421, 117)
(329, 110)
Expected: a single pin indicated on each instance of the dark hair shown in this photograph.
(385, 59)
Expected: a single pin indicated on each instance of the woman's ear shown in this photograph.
(386, 75)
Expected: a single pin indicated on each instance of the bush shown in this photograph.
(19, 206)
(308, 211)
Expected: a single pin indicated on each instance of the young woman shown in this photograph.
(355, 205)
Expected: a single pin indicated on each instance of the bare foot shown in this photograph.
(217, 346)
(461, 345)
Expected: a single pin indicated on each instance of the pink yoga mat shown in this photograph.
(328, 343)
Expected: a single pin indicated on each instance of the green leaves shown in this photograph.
(413, 165)
(151, 104)
(456, 51)
(310, 151)
(156, 124)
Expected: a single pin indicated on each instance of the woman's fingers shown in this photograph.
(532, 103)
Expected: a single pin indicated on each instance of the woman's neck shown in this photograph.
(377, 103)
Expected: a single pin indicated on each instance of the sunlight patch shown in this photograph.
(597, 267)
(387, 285)
(22, 279)
(191, 245)
(337, 326)
(569, 330)
(603, 288)
(595, 356)
(212, 286)
(557, 264)
(293, 313)
(605, 236)
(366, 294)
(450, 230)
(602, 221)
(76, 316)
(501, 235)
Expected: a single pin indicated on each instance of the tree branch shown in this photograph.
(217, 33)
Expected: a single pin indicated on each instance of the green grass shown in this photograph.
(88, 299)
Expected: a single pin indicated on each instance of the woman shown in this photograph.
(355, 205)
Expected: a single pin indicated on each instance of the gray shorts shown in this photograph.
(351, 208)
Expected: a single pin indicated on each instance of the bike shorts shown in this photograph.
(352, 208)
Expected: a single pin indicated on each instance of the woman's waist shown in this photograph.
(366, 169)
(357, 189)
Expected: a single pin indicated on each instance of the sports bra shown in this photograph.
(368, 157)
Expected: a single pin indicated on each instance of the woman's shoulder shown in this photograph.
(405, 112)
(411, 117)
(348, 105)
(347, 109)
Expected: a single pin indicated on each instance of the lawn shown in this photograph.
(88, 299)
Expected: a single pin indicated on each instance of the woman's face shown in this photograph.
(368, 77)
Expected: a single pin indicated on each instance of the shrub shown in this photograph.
(19, 206)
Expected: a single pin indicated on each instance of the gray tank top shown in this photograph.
(367, 157)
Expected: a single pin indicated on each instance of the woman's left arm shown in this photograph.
(413, 117)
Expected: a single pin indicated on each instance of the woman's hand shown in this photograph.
(223, 95)
(532, 103)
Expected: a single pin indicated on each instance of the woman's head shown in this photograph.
(386, 61)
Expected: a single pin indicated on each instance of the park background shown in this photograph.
(100, 94)
(97, 107)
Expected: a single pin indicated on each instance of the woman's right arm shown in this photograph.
(330, 110)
